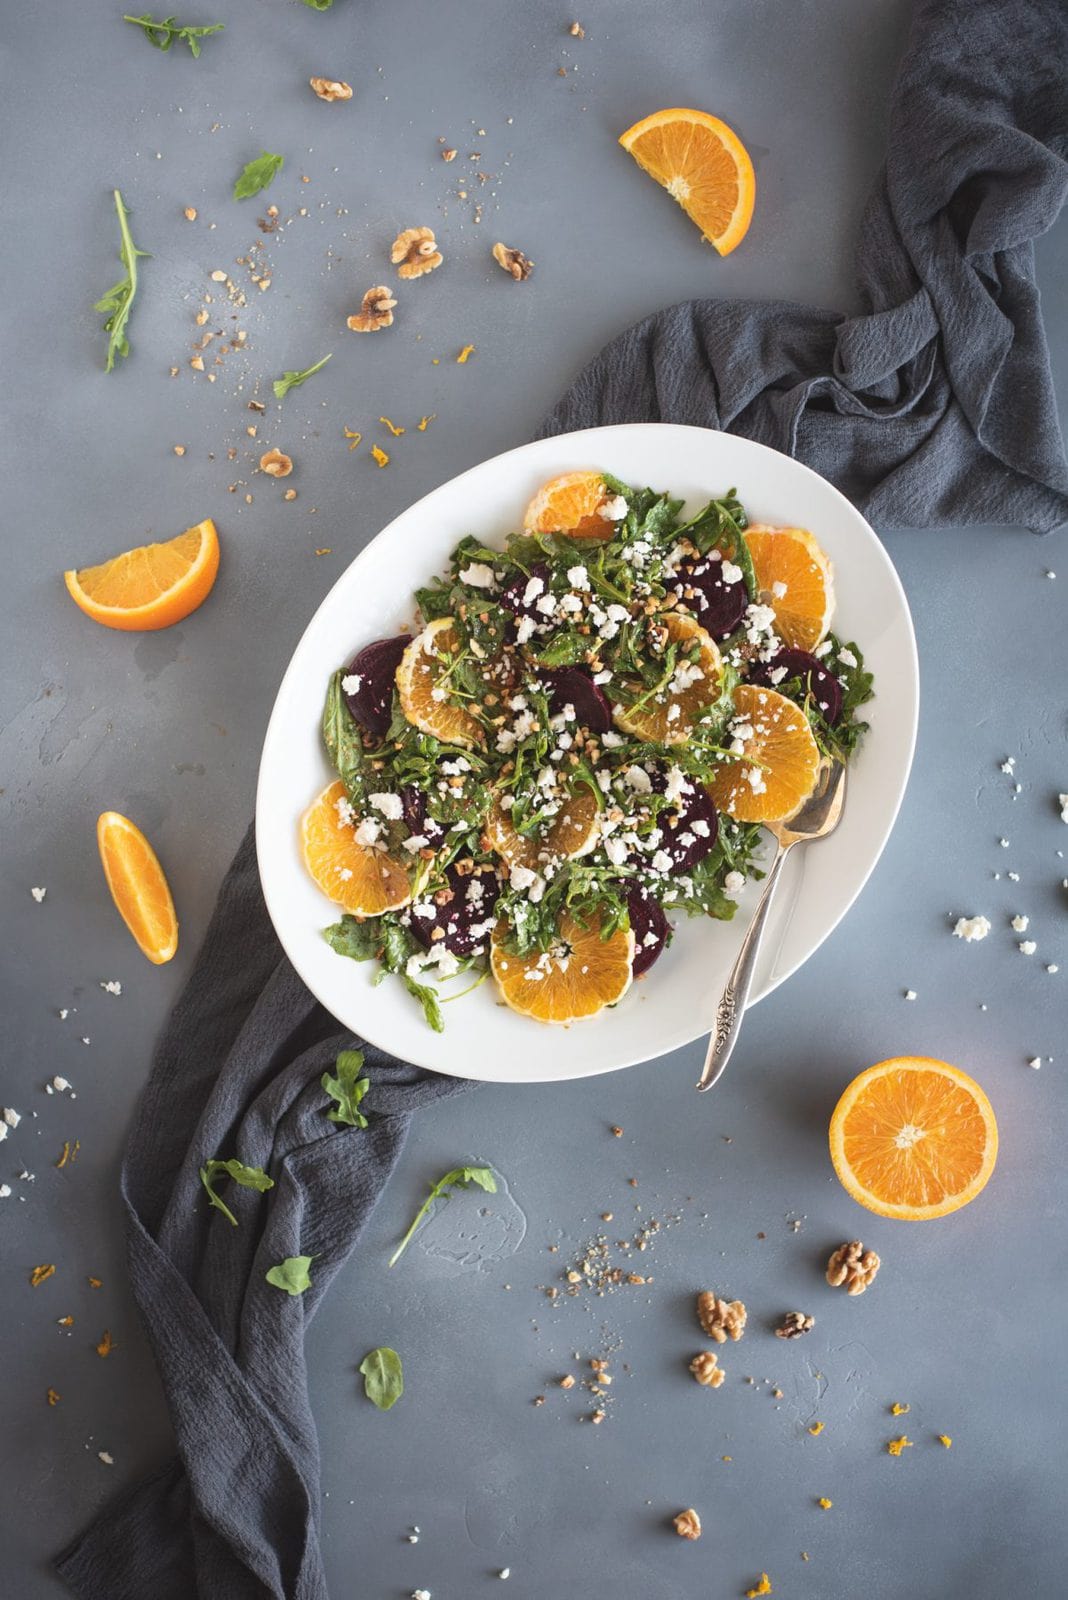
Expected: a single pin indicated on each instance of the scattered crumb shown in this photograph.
(972, 928)
(106, 1457)
(38, 894)
(276, 463)
(910, 994)
(1027, 947)
(40, 1274)
(687, 1524)
(52, 1396)
(111, 986)
(190, 213)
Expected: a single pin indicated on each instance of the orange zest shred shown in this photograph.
(325, 550)
(899, 1408)
(824, 1504)
(392, 426)
(424, 422)
(354, 436)
(816, 1429)
(39, 1274)
(944, 1439)
(468, 350)
(65, 1322)
(69, 1153)
(896, 1446)
(52, 1396)
(763, 1587)
(106, 1345)
(380, 455)
(96, 1283)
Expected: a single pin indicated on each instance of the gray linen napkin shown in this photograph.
(935, 405)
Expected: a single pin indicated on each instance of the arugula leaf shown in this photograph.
(163, 34)
(348, 1089)
(291, 1274)
(343, 741)
(293, 380)
(458, 1178)
(259, 174)
(247, 1177)
(383, 1377)
(359, 940)
(118, 302)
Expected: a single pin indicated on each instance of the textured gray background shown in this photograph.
(966, 1320)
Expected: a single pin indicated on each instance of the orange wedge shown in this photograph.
(581, 975)
(914, 1138)
(360, 878)
(573, 832)
(796, 580)
(703, 165)
(780, 759)
(424, 700)
(151, 587)
(670, 718)
(138, 887)
(571, 504)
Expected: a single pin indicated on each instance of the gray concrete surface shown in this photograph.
(965, 1322)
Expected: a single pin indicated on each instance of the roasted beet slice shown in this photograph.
(458, 917)
(718, 606)
(376, 667)
(571, 686)
(823, 686)
(685, 845)
(413, 808)
(646, 917)
(513, 595)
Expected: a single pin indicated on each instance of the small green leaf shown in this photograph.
(383, 1377)
(247, 1177)
(259, 174)
(347, 1088)
(291, 1274)
(319, 5)
(118, 302)
(458, 1178)
(293, 380)
(163, 34)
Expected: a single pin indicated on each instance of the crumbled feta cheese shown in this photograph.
(846, 658)
(676, 785)
(614, 509)
(756, 780)
(346, 816)
(685, 675)
(617, 613)
(546, 604)
(570, 604)
(616, 850)
(662, 862)
(106, 1457)
(603, 677)
(778, 590)
(478, 575)
(1009, 765)
(524, 630)
(368, 831)
(535, 586)
(1019, 924)
(1053, 967)
(437, 956)
(700, 827)
(60, 1085)
(734, 882)
(1004, 843)
(638, 779)
(822, 649)
(111, 986)
(578, 577)
(455, 769)
(776, 675)
(910, 994)
(1036, 1062)
(12, 1118)
(415, 841)
(350, 684)
(388, 804)
(732, 574)
(971, 928)
(524, 880)
(1027, 947)
(611, 740)
(5, 1190)
(38, 894)
(3, 1131)
(1062, 800)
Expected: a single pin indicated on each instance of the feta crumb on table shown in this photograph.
(971, 928)
(39, 894)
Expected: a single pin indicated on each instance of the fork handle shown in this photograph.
(731, 1007)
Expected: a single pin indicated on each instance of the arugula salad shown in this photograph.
(581, 742)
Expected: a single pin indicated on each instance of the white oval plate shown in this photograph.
(676, 1002)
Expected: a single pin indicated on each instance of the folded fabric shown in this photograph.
(934, 405)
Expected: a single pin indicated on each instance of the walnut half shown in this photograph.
(414, 252)
(794, 1324)
(688, 1524)
(513, 262)
(707, 1370)
(852, 1265)
(721, 1319)
(375, 312)
(276, 464)
(331, 89)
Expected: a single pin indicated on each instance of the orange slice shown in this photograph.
(574, 831)
(671, 718)
(581, 975)
(914, 1138)
(419, 675)
(703, 165)
(571, 504)
(796, 580)
(778, 768)
(138, 887)
(360, 878)
(151, 587)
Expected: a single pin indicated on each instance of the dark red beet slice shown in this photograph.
(376, 667)
(413, 807)
(823, 686)
(685, 847)
(646, 917)
(461, 914)
(512, 595)
(571, 686)
(719, 607)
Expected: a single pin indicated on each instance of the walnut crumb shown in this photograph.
(190, 213)
(331, 89)
(375, 312)
(597, 1416)
(513, 262)
(448, 155)
(794, 1324)
(853, 1266)
(721, 1319)
(567, 1381)
(414, 252)
(688, 1524)
(290, 494)
(707, 1370)
(617, 1133)
(276, 464)
(577, 31)
(179, 449)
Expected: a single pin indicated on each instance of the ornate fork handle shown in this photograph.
(731, 1007)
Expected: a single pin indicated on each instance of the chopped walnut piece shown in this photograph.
(577, 31)
(707, 1370)
(375, 312)
(179, 449)
(513, 261)
(276, 464)
(414, 252)
(290, 494)
(331, 89)
(448, 155)
(567, 1381)
(721, 1319)
(794, 1324)
(688, 1524)
(190, 213)
(853, 1266)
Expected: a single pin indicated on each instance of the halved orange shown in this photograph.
(424, 698)
(796, 580)
(360, 878)
(571, 504)
(670, 719)
(777, 769)
(572, 832)
(703, 165)
(578, 977)
(914, 1138)
(138, 886)
(151, 587)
